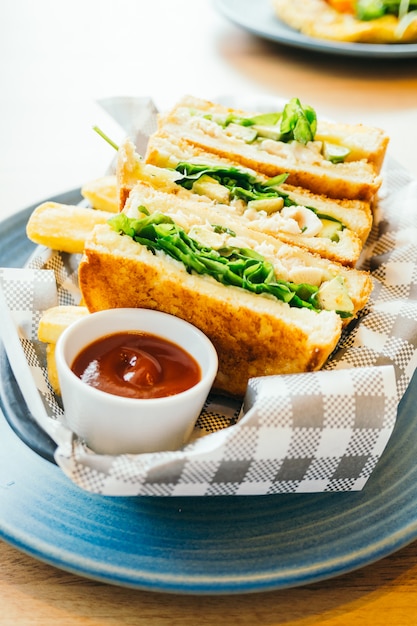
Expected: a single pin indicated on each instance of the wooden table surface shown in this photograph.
(56, 60)
(381, 594)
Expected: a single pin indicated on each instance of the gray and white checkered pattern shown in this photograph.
(321, 431)
(315, 432)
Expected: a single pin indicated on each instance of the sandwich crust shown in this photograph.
(253, 335)
(167, 151)
(190, 212)
(355, 178)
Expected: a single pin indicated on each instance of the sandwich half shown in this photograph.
(268, 307)
(335, 229)
(336, 160)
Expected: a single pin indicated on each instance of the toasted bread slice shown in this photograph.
(338, 236)
(357, 177)
(253, 335)
(291, 262)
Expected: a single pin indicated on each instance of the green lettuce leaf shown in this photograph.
(241, 184)
(297, 122)
(230, 266)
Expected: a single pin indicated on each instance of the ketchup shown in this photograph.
(136, 365)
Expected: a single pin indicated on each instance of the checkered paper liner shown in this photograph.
(315, 432)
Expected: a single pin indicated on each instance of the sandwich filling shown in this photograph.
(257, 200)
(217, 252)
(290, 133)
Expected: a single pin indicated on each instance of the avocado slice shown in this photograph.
(331, 229)
(334, 152)
(210, 187)
(269, 205)
(268, 132)
(333, 296)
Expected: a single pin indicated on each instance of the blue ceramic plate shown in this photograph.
(258, 18)
(212, 545)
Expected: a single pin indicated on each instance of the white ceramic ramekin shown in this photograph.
(111, 424)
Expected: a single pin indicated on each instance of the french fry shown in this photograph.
(102, 193)
(52, 323)
(56, 319)
(52, 369)
(63, 227)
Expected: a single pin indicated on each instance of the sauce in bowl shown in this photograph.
(136, 365)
